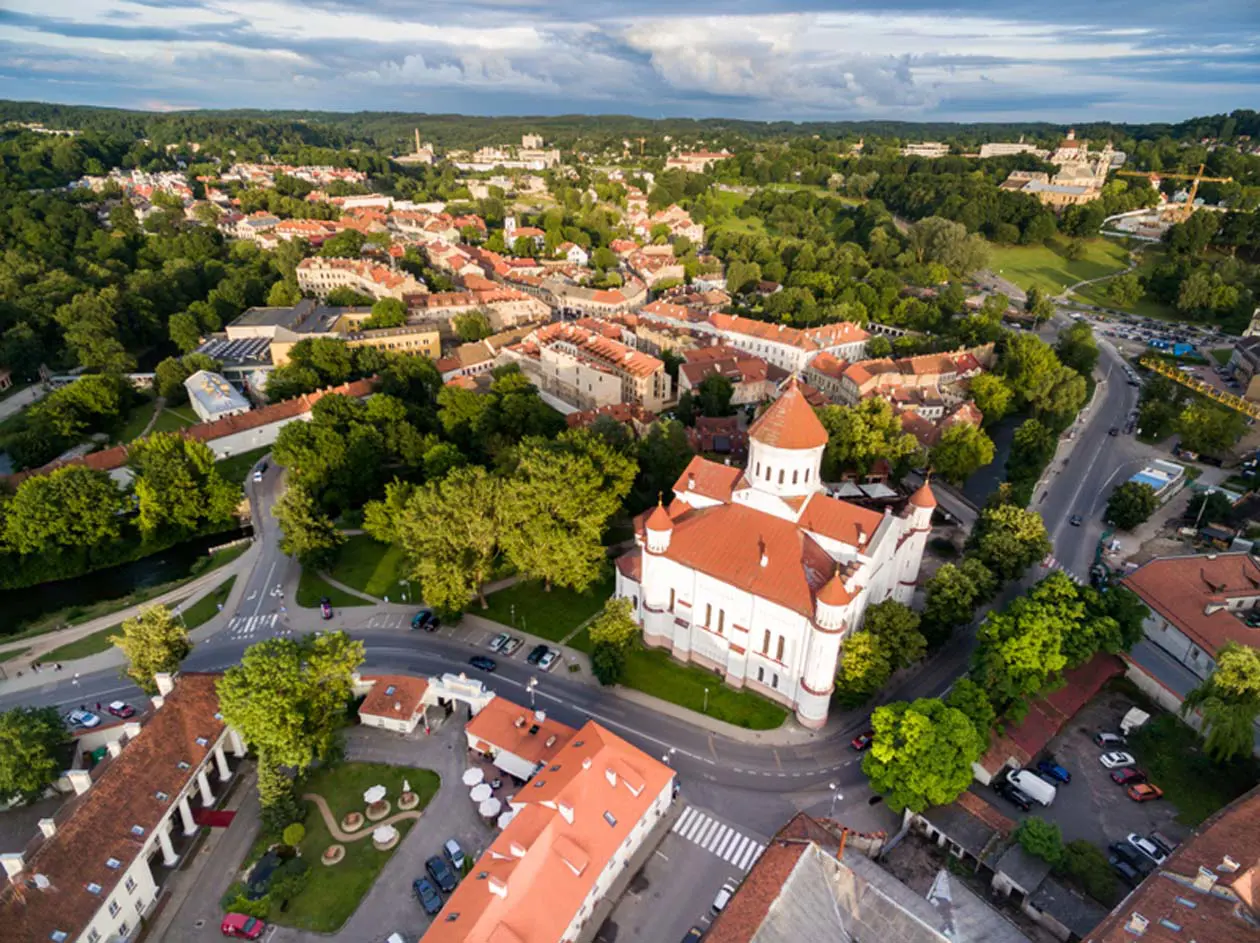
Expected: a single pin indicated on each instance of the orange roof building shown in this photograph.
(762, 574)
(394, 702)
(517, 740)
(574, 829)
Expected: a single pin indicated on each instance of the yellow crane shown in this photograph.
(1178, 214)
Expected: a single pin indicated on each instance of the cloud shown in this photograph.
(910, 59)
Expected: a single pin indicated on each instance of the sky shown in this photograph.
(913, 60)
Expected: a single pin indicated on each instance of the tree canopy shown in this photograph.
(922, 754)
(154, 641)
(32, 742)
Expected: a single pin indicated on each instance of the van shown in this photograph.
(1032, 785)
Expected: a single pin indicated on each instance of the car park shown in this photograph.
(1127, 775)
(425, 619)
(511, 645)
(1144, 792)
(1116, 760)
(723, 897)
(428, 896)
(121, 709)
(548, 661)
(242, 927)
(497, 643)
(1105, 739)
(1052, 770)
(535, 654)
(441, 874)
(82, 718)
(325, 608)
(863, 741)
(483, 663)
(1147, 847)
(454, 854)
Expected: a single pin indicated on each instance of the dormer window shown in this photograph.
(202, 741)
(610, 819)
(183, 765)
(113, 864)
(161, 796)
(93, 888)
(137, 830)
(218, 715)
(58, 936)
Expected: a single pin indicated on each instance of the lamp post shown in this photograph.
(512, 608)
(1202, 507)
(706, 700)
(533, 684)
(835, 793)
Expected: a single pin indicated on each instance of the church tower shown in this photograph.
(785, 451)
(916, 522)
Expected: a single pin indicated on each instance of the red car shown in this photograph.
(1127, 775)
(241, 927)
(121, 709)
(862, 742)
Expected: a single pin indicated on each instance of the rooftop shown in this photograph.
(214, 393)
(397, 697)
(789, 423)
(1192, 593)
(532, 736)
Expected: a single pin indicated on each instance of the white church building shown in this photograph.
(758, 575)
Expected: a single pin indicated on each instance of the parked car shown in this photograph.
(536, 653)
(1054, 771)
(1114, 430)
(1104, 739)
(511, 645)
(1129, 874)
(863, 741)
(428, 896)
(497, 643)
(1012, 794)
(325, 608)
(258, 475)
(1144, 792)
(454, 854)
(241, 927)
(548, 661)
(693, 935)
(1147, 847)
(1163, 842)
(1127, 775)
(121, 709)
(441, 873)
(1132, 857)
(483, 662)
(1116, 760)
(1032, 785)
(425, 619)
(82, 718)
(723, 897)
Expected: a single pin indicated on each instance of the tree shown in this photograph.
(1040, 838)
(308, 533)
(184, 331)
(613, 634)
(943, 241)
(346, 297)
(1212, 430)
(1131, 504)
(154, 642)
(973, 700)
(857, 436)
(1028, 365)
(177, 485)
(896, 626)
(1008, 539)
(347, 244)
(1077, 348)
(1087, 867)
(1219, 509)
(71, 507)
(992, 396)
(472, 325)
(1125, 290)
(290, 879)
(864, 668)
(922, 754)
(31, 744)
(294, 833)
(961, 449)
(663, 456)
(386, 312)
(714, 395)
(1229, 701)
(954, 593)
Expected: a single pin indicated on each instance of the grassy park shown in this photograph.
(1172, 755)
(370, 567)
(312, 588)
(1047, 266)
(527, 606)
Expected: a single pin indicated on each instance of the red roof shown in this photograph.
(789, 423)
(711, 479)
(659, 520)
(923, 498)
(1183, 589)
(835, 593)
(839, 520)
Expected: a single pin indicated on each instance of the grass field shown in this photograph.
(236, 467)
(170, 420)
(312, 587)
(1146, 306)
(92, 644)
(371, 567)
(1048, 268)
(1222, 354)
(137, 419)
(550, 615)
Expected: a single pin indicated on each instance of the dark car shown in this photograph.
(482, 662)
(1127, 775)
(441, 873)
(325, 608)
(1052, 770)
(863, 741)
(692, 935)
(425, 619)
(1013, 794)
(1127, 872)
(536, 653)
(1075, 520)
(1132, 857)
(429, 898)
(1114, 430)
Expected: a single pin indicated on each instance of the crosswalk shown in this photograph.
(1051, 563)
(727, 842)
(242, 627)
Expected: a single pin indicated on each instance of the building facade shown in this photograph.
(758, 575)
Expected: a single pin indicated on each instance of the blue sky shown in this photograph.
(1067, 60)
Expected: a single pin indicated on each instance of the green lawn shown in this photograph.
(333, 893)
(312, 587)
(16, 653)
(236, 467)
(92, 644)
(207, 607)
(371, 567)
(550, 615)
(1046, 267)
(1222, 354)
(169, 420)
(1172, 755)
(1146, 306)
(137, 419)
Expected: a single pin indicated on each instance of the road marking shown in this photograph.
(718, 838)
(727, 843)
(684, 818)
(267, 582)
(666, 857)
(750, 856)
(738, 848)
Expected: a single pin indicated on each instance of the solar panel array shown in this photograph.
(242, 350)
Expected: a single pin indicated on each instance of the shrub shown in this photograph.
(1040, 838)
(294, 832)
(251, 908)
(1087, 868)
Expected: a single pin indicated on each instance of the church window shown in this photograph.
(780, 476)
(708, 614)
(671, 600)
(721, 621)
(768, 473)
(794, 474)
(765, 643)
(779, 657)
(774, 681)
(761, 674)
(759, 469)
(807, 476)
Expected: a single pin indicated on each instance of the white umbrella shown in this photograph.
(506, 818)
(473, 776)
(490, 808)
(384, 835)
(481, 792)
(374, 794)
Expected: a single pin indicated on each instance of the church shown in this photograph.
(758, 575)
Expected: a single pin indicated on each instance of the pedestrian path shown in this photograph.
(736, 848)
(242, 627)
(1052, 563)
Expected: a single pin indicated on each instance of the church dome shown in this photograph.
(789, 423)
(923, 498)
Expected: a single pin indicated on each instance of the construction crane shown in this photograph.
(1177, 214)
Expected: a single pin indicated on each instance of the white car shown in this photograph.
(1147, 847)
(499, 641)
(723, 897)
(548, 661)
(1116, 760)
(511, 645)
(82, 719)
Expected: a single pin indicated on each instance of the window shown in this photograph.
(94, 935)
(124, 930)
(759, 469)
(202, 741)
(768, 473)
(779, 657)
(765, 643)
(807, 476)
(114, 908)
(780, 476)
(761, 673)
(721, 621)
(390, 690)
(130, 884)
(183, 765)
(59, 936)
(794, 474)
(774, 681)
(708, 614)
(140, 907)
(113, 864)
(610, 819)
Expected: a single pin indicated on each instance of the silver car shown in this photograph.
(548, 661)
(497, 643)
(511, 645)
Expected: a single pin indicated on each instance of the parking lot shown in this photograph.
(479, 633)
(1092, 807)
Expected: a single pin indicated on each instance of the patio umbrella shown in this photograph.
(506, 818)
(481, 793)
(490, 808)
(473, 776)
(375, 794)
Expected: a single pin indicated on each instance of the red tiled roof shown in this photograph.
(839, 520)
(789, 423)
(1181, 588)
(711, 479)
(923, 498)
(397, 697)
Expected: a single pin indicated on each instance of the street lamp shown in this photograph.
(668, 756)
(533, 684)
(835, 793)
(1207, 494)
(706, 700)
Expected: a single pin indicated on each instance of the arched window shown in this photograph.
(780, 476)
(765, 644)
(779, 657)
(794, 474)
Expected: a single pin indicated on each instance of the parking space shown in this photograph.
(661, 905)
(1092, 806)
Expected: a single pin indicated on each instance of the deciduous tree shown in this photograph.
(386, 312)
(857, 436)
(613, 634)
(307, 532)
(1131, 503)
(992, 396)
(865, 667)
(31, 744)
(154, 641)
(896, 626)
(973, 700)
(1077, 348)
(954, 593)
(1040, 838)
(1229, 701)
(71, 507)
(1210, 429)
(177, 485)
(472, 325)
(961, 450)
(922, 754)
(1008, 539)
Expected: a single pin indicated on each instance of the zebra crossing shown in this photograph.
(727, 842)
(243, 627)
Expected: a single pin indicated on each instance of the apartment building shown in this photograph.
(696, 162)
(318, 277)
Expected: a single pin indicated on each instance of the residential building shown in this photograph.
(1006, 149)
(314, 231)
(635, 418)
(1205, 891)
(212, 397)
(929, 149)
(756, 574)
(1244, 364)
(393, 702)
(505, 306)
(722, 435)
(586, 370)
(6, 379)
(696, 162)
(573, 832)
(318, 276)
(517, 740)
(575, 254)
(789, 348)
(280, 329)
(478, 357)
(752, 379)
(655, 267)
(95, 870)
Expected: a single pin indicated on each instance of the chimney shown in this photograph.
(540, 716)
(1228, 865)
(1136, 924)
(165, 682)
(157, 701)
(80, 779)
(691, 481)
(48, 827)
(14, 863)
(114, 747)
(132, 729)
(1205, 880)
